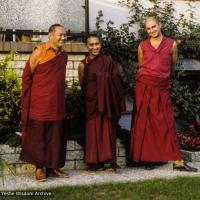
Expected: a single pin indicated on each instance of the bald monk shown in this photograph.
(100, 79)
(153, 134)
(43, 107)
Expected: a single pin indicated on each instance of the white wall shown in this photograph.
(40, 14)
(112, 10)
(182, 7)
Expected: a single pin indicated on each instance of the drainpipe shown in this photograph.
(87, 27)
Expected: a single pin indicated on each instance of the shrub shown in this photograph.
(75, 105)
(75, 108)
(122, 45)
(189, 142)
(10, 100)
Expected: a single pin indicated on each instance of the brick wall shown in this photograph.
(76, 52)
(74, 158)
(71, 70)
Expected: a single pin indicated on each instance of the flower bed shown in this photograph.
(189, 142)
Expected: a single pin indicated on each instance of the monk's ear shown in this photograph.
(49, 35)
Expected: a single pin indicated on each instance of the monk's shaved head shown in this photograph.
(152, 18)
(53, 27)
(93, 35)
(153, 27)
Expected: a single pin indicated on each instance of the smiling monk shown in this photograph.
(153, 134)
(100, 79)
(43, 107)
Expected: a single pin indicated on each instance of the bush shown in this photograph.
(185, 32)
(75, 108)
(122, 45)
(10, 100)
(75, 105)
(189, 142)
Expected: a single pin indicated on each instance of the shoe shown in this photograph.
(56, 173)
(93, 170)
(150, 167)
(100, 167)
(185, 167)
(40, 175)
(95, 167)
(113, 168)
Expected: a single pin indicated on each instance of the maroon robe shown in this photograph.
(43, 110)
(104, 103)
(153, 134)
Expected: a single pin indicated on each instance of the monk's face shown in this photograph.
(57, 37)
(93, 46)
(153, 28)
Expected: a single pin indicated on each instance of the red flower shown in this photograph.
(189, 142)
(192, 127)
(198, 121)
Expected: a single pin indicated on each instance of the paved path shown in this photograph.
(82, 177)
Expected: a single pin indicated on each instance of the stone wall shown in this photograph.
(191, 156)
(74, 158)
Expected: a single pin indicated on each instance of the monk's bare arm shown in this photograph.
(140, 55)
(80, 72)
(34, 60)
(174, 54)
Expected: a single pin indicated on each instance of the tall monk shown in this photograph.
(43, 106)
(153, 133)
(100, 79)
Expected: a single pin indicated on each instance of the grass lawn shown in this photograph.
(181, 188)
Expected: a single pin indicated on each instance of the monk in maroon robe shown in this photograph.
(101, 83)
(153, 134)
(43, 107)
